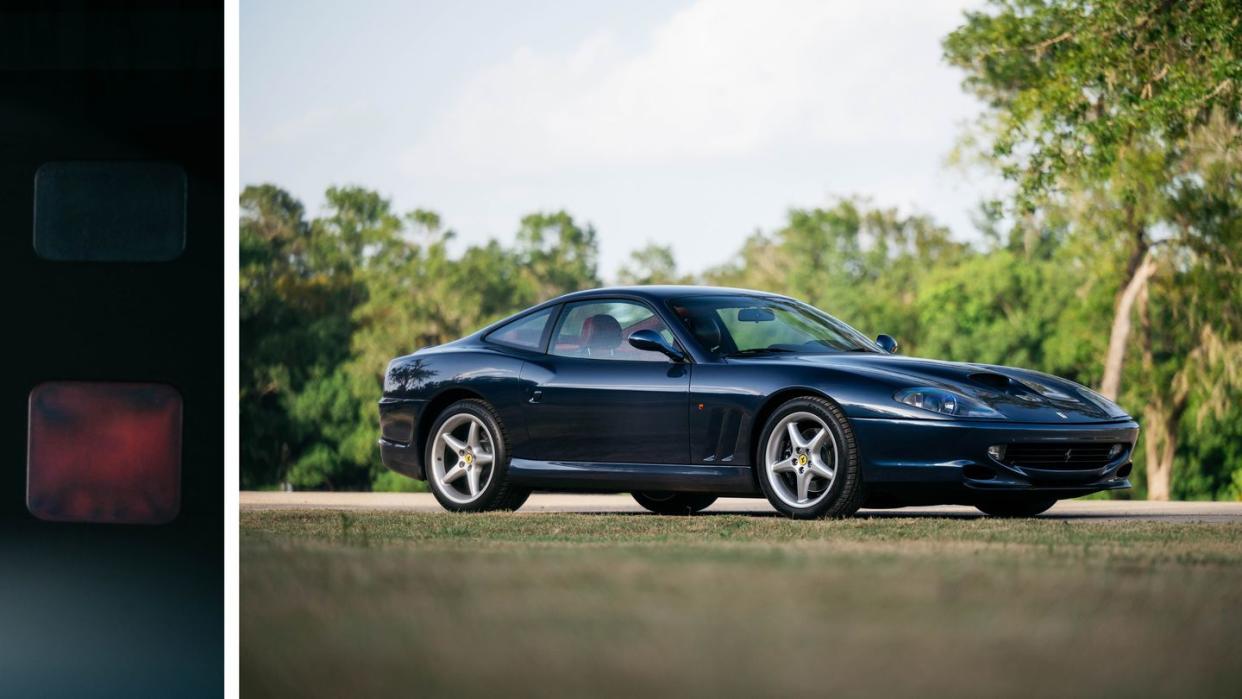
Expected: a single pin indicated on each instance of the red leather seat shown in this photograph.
(601, 333)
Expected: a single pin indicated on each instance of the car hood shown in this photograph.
(1020, 395)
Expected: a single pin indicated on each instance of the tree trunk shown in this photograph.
(1161, 445)
(1162, 415)
(1114, 359)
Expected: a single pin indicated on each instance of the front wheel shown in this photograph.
(1015, 507)
(808, 460)
(674, 503)
(468, 460)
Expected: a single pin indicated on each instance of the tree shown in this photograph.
(1101, 102)
(652, 264)
(1072, 86)
(556, 255)
(326, 303)
(1191, 315)
(855, 261)
(294, 322)
(351, 241)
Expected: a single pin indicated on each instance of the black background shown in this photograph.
(104, 610)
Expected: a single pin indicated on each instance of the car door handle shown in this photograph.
(536, 395)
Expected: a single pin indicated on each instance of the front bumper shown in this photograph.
(948, 461)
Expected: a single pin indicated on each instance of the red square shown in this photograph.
(104, 452)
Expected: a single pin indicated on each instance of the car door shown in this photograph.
(594, 398)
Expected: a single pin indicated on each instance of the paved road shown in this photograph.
(1081, 510)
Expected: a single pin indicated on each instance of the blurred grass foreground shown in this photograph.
(382, 604)
(1115, 260)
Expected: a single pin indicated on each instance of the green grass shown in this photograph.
(361, 604)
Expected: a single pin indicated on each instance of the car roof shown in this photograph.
(659, 292)
(653, 294)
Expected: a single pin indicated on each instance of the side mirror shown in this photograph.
(886, 343)
(650, 341)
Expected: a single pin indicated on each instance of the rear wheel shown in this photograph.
(468, 460)
(1015, 506)
(674, 503)
(809, 460)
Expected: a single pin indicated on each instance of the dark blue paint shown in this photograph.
(606, 411)
(606, 477)
(579, 423)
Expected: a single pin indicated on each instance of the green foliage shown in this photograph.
(1073, 84)
(1119, 121)
(326, 303)
(393, 482)
(555, 254)
(861, 264)
(652, 264)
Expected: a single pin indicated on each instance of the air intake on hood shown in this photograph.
(991, 380)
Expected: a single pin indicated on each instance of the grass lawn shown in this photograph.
(362, 604)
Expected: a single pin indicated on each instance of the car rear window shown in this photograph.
(525, 332)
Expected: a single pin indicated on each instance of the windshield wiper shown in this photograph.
(757, 350)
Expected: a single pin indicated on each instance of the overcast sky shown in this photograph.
(686, 123)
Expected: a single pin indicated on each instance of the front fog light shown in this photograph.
(1116, 451)
(997, 451)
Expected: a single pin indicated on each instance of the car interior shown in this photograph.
(602, 335)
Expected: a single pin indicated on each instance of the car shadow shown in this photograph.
(901, 514)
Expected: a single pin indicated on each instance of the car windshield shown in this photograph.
(738, 326)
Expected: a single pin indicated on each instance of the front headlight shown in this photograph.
(938, 400)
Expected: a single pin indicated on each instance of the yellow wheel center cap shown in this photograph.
(469, 458)
(802, 459)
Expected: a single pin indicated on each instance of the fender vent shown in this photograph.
(722, 431)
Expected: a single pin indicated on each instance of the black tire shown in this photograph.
(499, 493)
(1019, 506)
(845, 494)
(674, 503)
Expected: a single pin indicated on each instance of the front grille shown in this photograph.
(1062, 456)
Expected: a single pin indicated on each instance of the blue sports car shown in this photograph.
(681, 394)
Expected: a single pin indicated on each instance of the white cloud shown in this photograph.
(692, 129)
(719, 80)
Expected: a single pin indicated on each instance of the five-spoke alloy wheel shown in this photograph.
(808, 460)
(467, 460)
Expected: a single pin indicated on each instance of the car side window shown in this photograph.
(602, 329)
(524, 333)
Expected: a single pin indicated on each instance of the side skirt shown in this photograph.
(604, 477)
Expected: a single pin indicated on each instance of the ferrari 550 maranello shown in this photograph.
(680, 395)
